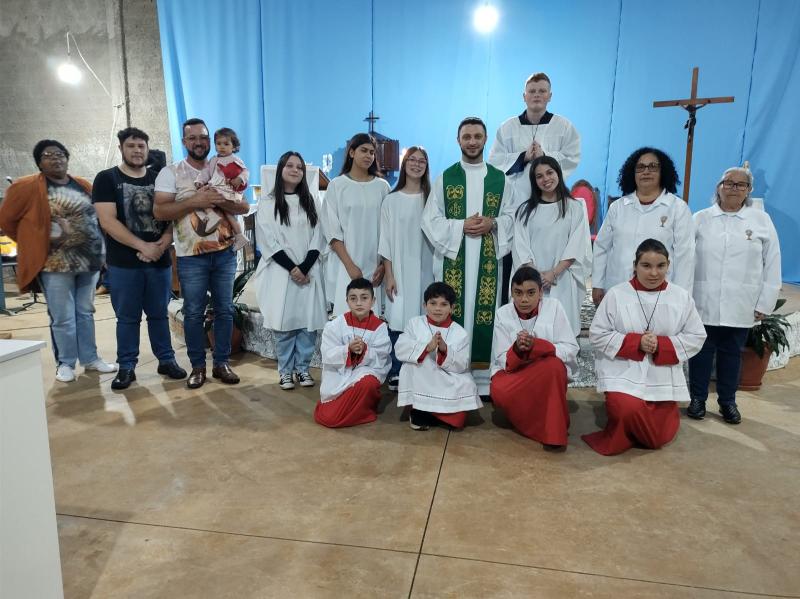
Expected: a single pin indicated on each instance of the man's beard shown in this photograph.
(133, 165)
(478, 152)
(195, 156)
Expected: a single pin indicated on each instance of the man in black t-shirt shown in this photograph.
(139, 265)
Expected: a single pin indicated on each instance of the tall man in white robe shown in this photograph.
(469, 220)
(535, 132)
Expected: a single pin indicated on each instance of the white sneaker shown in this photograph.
(286, 382)
(65, 374)
(100, 366)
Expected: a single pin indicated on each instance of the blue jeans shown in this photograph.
(726, 343)
(396, 364)
(70, 304)
(294, 349)
(134, 290)
(200, 275)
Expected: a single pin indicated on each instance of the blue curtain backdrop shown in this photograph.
(300, 76)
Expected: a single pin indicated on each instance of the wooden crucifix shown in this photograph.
(691, 105)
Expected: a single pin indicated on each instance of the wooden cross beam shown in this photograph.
(691, 105)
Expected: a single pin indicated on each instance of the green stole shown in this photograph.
(454, 181)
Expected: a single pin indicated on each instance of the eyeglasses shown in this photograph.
(419, 161)
(738, 186)
(193, 138)
(651, 167)
(56, 154)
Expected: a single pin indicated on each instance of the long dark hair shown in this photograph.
(562, 193)
(425, 182)
(359, 139)
(669, 179)
(306, 199)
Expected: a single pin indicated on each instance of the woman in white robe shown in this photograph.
(641, 333)
(407, 253)
(648, 210)
(289, 285)
(736, 283)
(351, 216)
(551, 234)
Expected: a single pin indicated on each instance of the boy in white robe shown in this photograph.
(435, 379)
(355, 361)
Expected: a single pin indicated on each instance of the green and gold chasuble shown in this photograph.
(454, 181)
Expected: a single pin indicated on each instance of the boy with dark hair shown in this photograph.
(355, 361)
(435, 379)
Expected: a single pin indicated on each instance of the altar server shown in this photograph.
(469, 219)
(642, 331)
(435, 379)
(289, 286)
(649, 209)
(551, 233)
(351, 216)
(533, 354)
(355, 361)
(534, 133)
(407, 253)
(736, 282)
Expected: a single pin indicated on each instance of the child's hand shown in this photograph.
(440, 344)
(236, 182)
(649, 343)
(524, 341)
(432, 344)
(357, 346)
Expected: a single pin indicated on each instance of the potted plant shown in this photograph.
(239, 311)
(764, 337)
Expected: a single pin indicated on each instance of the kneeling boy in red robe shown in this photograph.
(533, 354)
(355, 361)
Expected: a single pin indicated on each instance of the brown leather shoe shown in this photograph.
(224, 373)
(197, 378)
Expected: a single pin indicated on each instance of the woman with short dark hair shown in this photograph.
(53, 221)
(649, 208)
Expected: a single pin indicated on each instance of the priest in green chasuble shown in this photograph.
(469, 220)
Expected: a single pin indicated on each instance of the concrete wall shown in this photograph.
(120, 41)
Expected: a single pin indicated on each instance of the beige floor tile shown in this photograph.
(717, 508)
(109, 559)
(447, 578)
(246, 458)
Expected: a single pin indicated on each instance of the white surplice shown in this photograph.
(558, 139)
(546, 240)
(446, 234)
(427, 385)
(336, 374)
(737, 266)
(403, 242)
(351, 213)
(550, 324)
(285, 305)
(620, 313)
(628, 223)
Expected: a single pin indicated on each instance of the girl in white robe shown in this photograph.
(435, 379)
(533, 354)
(351, 216)
(648, 210)
(551, 234)
(407, 254)
(641, 333)
(355, 360)
(289, 285)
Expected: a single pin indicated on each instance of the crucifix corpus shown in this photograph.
(691, 105)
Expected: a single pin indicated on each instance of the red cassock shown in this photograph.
(632, 421)
(356, 405)
(532, 391)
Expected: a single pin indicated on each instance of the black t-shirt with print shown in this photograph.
(134, 199)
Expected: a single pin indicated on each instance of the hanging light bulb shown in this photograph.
(485, 18)
(69, 73)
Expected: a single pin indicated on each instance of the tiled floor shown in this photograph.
(235, 492)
